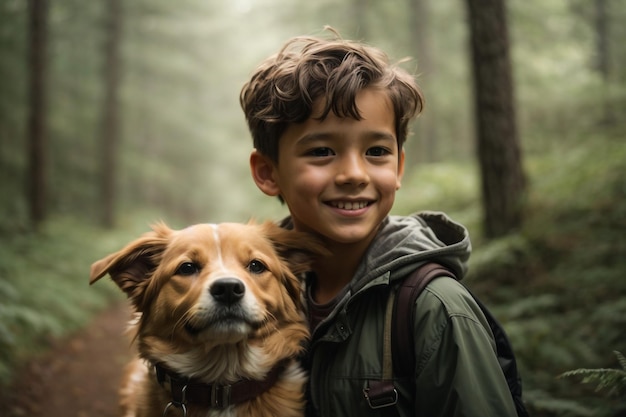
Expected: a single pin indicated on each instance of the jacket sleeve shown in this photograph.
(457, 371)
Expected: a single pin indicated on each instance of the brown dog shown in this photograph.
(219, 325)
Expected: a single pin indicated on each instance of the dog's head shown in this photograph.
(213, 283)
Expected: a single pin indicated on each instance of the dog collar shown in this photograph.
(187, 391)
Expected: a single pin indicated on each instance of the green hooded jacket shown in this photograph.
(456, 370)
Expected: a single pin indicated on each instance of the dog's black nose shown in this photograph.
(228, 290)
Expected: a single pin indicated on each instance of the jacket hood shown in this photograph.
(405, 242)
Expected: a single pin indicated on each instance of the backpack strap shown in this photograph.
(382, 393)
(410, 288)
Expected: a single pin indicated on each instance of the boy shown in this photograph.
(328, 119)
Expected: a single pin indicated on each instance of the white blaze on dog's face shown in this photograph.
(217, 283)
(225, 279)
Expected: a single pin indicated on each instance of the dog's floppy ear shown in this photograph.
(130, 268)
(298, 249)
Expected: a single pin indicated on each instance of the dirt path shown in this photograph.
(78, 378)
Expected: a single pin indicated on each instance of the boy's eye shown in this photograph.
(187, 269)
(377, 151)
(321, 152)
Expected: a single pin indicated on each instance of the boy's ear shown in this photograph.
(262, 169)
(400, 169)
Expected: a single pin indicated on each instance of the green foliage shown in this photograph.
(44, 289)
(545, 405)
(613, 381)
(558, 285)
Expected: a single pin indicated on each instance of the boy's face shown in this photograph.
(338, 176)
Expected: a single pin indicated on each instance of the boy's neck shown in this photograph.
(336, 271)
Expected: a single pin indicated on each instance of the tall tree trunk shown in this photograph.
(37, 146)
(420, 31)
(502, 176)
(110, 111)
(603, 56)
(602, 39)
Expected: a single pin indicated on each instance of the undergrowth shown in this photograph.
(559, 284)
(613, 381)
(44, 289)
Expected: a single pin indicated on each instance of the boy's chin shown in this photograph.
(351, 236)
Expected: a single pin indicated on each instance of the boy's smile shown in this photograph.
(338, 176)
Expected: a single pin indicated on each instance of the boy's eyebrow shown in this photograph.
(374, 134)
(310, 137)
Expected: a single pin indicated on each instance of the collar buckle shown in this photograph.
(182, 403)
(221, 395)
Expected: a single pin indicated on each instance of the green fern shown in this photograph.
(612, 380)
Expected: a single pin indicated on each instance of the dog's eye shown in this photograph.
(187, 268)
(256, 267)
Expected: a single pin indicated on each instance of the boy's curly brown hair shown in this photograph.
(284, 87)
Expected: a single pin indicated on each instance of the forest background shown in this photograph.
(139, 120)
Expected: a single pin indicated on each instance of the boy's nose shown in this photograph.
(352, 170)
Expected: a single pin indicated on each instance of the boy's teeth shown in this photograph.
(348, 205)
